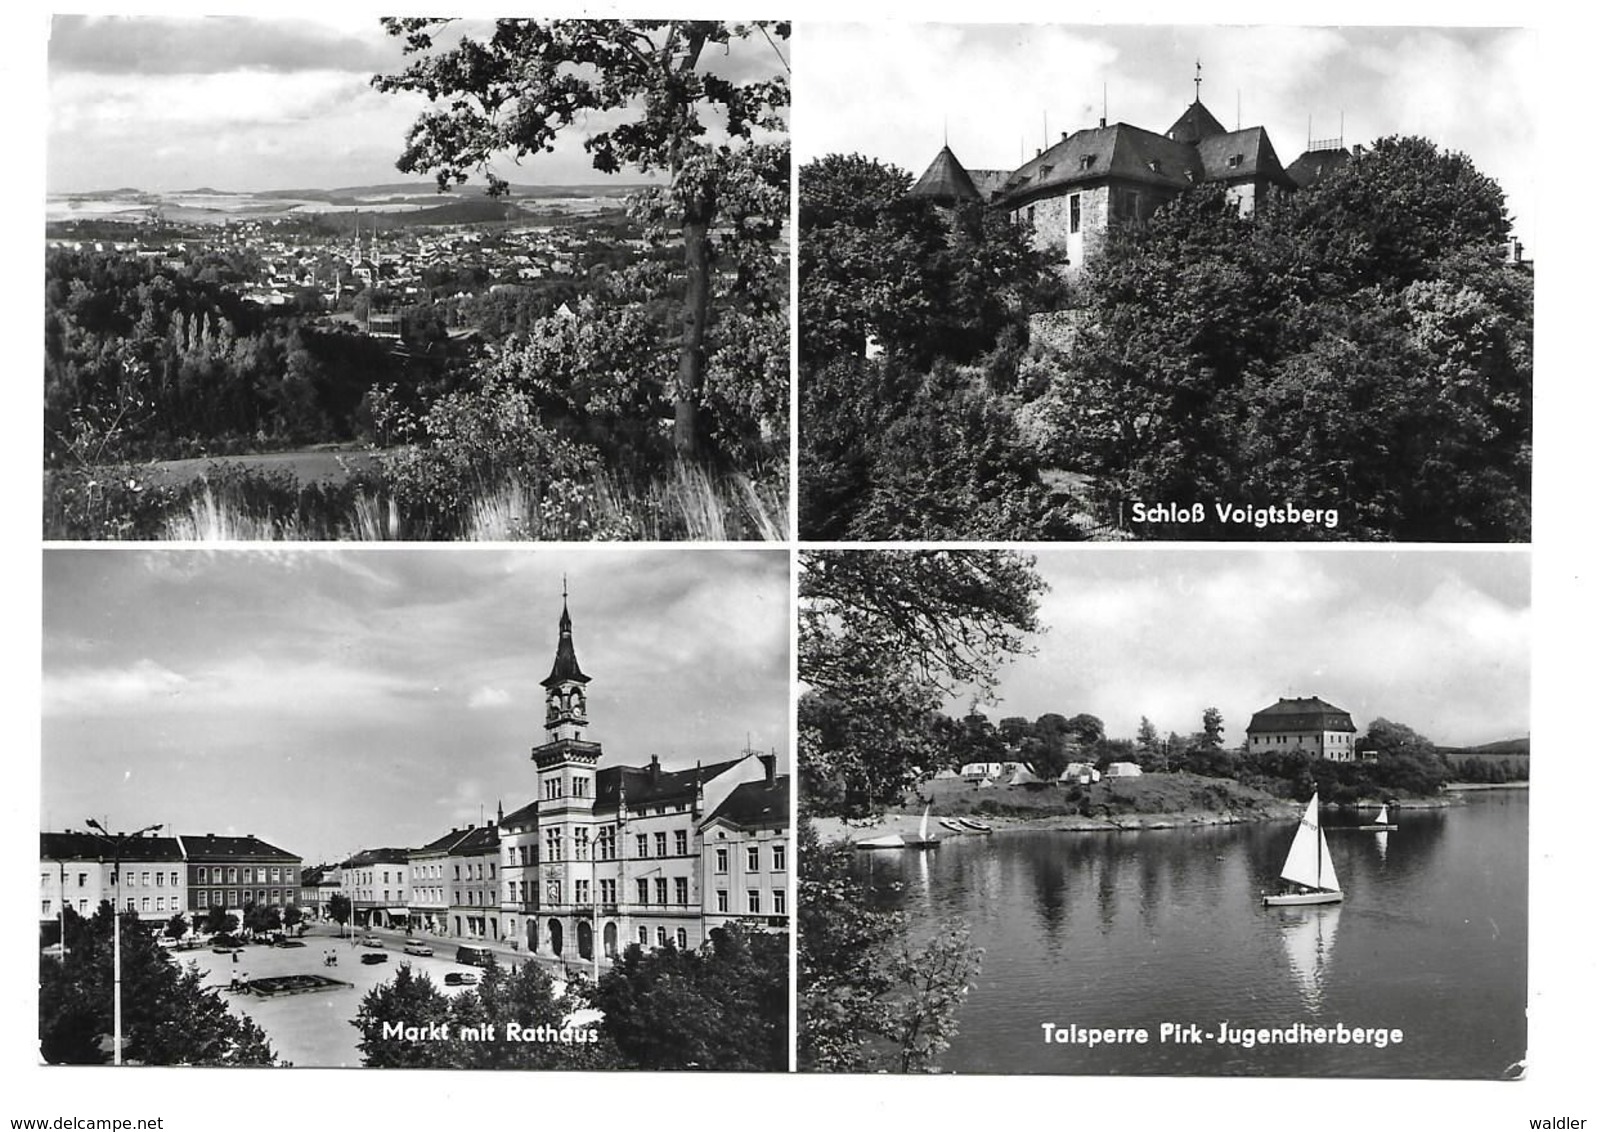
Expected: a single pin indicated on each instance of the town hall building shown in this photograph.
(604, 857)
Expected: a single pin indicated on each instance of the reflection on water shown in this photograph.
(1309, 934)
(1144, 929)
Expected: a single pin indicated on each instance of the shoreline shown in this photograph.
(904, 822)
(833, 829)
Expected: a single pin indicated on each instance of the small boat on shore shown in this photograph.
(975, 826)
(1381, 822)
(923, 840)
(1308, 870)
(950, 823)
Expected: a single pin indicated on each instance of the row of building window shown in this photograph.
(751, 905)
(235, 875)
(134, 904)
(130, 879)
(233, 897)
(752, 861)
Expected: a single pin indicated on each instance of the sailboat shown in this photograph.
(1308, 864)
(925, 840)
(1381, 822)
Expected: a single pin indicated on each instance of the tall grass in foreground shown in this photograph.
(687, 504)
(690, 504)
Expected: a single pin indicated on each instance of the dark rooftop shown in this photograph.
(75, 845)
(757, 805)
(1307, 714)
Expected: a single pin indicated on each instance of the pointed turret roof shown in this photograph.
(1194, 125)
(945, 181)
(565, 666)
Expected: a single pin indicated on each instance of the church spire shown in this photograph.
(564, 693)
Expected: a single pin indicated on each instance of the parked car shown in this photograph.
(374, 957)
(222, 944)
(474, 956)
(460, 979)
(371, 941)
(417, 947)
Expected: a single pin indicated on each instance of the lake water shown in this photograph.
(1128, 930)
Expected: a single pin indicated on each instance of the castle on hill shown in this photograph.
(1073, 193)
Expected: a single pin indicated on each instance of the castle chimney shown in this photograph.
(769, 762)
(654, 768)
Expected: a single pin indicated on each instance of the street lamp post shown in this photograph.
(117, 841)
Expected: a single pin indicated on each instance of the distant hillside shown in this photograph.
(1501, 747)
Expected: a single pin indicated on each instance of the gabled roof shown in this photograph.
(445, 844)
(478, 840)
(248, 848)
(1195, 124)
(524, 814)
(649, 786)
(945, 181)
(756, 805)
(1241, 155)
(1119, 152)
(385, 856)
(1308, 714)
(75, 845)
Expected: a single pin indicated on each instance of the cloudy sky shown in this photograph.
(1439, 640)
(886, 89)
(242, 103)
(330, 700)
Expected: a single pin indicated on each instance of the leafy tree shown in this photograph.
(518, 89)
(1213, 729)
(177, 927)
(340, 909)
(169, 1017)
(1087, 728)
(292, 916)
(218, 919)
(884, 636)
(868, 1000)
(1388, 217)
(723, 1007)
(954, 465)
(411, 999)
(523, 997)
(1359, 345)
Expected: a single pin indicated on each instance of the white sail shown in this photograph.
(924, 819)
(1328, 879)
(1307, 862)
(1381, 818)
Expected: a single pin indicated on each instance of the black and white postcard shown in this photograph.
(1165, 282)
(415, 809)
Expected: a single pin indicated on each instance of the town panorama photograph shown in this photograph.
(411, 808)
(343, 277)
(1193, 282)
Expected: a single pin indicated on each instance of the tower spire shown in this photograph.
(1197, 81)
(564, 687)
